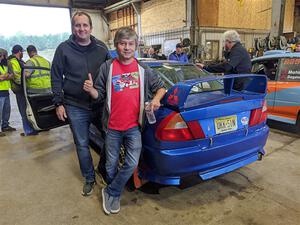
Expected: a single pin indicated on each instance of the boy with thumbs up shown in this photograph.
(124, 84)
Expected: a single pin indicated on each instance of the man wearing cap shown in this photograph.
(38, 79)
(16, 66)
(179, 55)
(5, 77)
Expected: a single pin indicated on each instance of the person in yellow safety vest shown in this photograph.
(38, 80)
(16, 65)
(4, 86)
(5, 107)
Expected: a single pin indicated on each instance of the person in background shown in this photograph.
(237, 61)
(38, 80)
(76, 60)
(297, 48)
(152, 54)
(16, 65)
(178, 54)
(5, 127)
(125, 84)
(4, 86)
(237, 58)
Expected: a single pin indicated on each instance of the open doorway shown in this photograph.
(44, 27)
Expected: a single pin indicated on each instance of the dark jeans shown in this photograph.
(6, 112)
(2, 100)
(132, 141)
(80, 120)
(21, 102)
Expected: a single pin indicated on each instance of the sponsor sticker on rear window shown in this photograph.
(289, 70)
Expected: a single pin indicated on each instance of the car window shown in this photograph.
(266, 67)
(207, 86)
(172, 74)
(289, 69)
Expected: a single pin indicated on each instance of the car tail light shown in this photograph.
(259, 115)
(174, 128)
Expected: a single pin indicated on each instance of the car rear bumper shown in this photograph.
(169, 166)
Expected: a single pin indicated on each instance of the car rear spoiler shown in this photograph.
(243, 85)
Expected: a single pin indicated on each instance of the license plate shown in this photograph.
(225, 124)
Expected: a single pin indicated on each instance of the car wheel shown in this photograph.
(298, 124)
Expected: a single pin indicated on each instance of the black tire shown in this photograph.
(297, 128)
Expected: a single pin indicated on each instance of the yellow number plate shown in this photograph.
(225, 124)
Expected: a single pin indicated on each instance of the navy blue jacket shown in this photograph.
(181, 57)
(70, 68)
(238, 61)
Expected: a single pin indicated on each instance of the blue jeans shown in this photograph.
(80, 120)
(6, 113)
(21, 102)
(133, 143)
(2, 101)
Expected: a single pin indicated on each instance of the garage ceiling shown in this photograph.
(88, 4)
(92, 4)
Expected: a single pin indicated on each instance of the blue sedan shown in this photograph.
(207, 125)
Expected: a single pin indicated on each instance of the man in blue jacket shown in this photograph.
(179, 55)
(76, 60)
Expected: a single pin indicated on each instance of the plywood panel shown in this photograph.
(163, 15)
(208, 12)
(120, 18)
(248, 14)
(289, 16)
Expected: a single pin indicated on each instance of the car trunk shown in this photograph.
(208, 132)
(205, 114)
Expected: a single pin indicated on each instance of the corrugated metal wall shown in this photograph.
(167, 39)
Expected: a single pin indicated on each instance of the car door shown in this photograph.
(40, 110)
(268, 67)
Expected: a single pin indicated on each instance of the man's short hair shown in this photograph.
(125, 33)
(31, 48)
(232, 36)
(81, 14)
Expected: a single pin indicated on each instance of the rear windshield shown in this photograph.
(172, 74)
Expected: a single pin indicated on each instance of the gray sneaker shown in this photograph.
(88, 188)
(115, 205)
(106, 201)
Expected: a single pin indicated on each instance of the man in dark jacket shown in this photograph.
(237, 61)
(75, 61)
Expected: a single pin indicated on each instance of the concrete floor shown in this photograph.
(41, 184)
